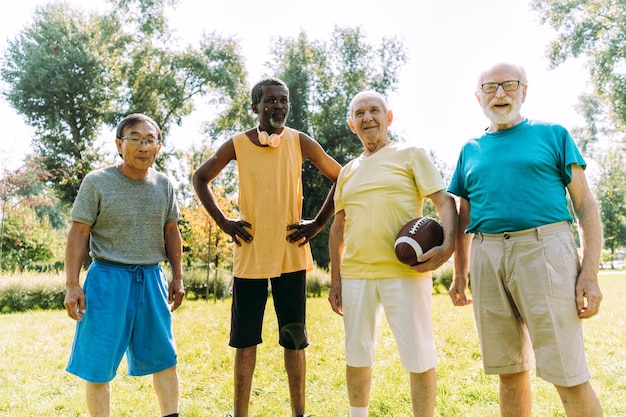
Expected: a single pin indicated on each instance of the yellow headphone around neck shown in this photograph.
(272, 140)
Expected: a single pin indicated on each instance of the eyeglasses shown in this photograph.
(138, 141)
(510, 85)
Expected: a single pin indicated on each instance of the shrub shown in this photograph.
(198, 286)
(17, 299)
(317, 281)
(442, 278)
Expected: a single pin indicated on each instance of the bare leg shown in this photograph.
(580, 401)
(98, 399)
(515, 395)
(166, 387)
(245, 361)
(359, 380)
(423, 393)
(295, 365)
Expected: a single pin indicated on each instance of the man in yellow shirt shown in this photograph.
(377, 193)
(271, 237)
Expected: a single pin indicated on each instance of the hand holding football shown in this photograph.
(417, 237)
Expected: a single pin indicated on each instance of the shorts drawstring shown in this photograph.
(139, 277)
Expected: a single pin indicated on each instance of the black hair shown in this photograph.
(257, 90)
(135, 118)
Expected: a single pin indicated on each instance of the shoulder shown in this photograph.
(99, 175)
(408, 151)
(310, 147)
(159, 176)
(547, 126)
(303, 137)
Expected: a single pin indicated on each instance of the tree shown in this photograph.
(323, 77)
(611, 194)
(597, 30)
(27, 240)
(71, 73)
(60, 80)
(23, 195)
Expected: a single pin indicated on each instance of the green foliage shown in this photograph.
(597, 31)
(442, 278)
(27, 291)
(317, 282)
(70, 73)
(203, 284)
(18, 299)
(59, 76)
(611, 195)
(27, 240)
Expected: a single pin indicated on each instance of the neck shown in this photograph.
(133, 174)
(498, 127)
(271, 130)
(372, 148)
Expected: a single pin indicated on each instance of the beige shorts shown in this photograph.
(523, 286)
(406, 302)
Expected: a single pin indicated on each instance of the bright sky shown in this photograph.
(449, 43)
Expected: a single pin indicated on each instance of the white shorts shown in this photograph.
(406, 302)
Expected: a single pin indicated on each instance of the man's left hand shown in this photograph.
(306, 229)
(588, 295)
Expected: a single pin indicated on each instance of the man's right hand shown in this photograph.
(75, 303)
(236, 228)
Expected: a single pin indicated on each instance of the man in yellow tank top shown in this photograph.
(271, 237)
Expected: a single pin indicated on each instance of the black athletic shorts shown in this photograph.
(249, 300)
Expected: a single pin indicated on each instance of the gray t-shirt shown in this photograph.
(127, 217)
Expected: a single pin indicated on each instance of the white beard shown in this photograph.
(499, 118)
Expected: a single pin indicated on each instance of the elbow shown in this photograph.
(198, 181)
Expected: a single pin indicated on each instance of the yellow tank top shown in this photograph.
(270, 199)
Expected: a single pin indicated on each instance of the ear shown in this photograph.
(389, 117)
(524, 88)
(118, 143)
(351, 124)
(477, 95)
(255, 108)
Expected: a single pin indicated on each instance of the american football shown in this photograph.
(416, 237)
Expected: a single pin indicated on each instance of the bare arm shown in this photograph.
(588, 294)
(461, 257)
(307, 230)
(75, 252)
(174, 252)
(437, 256)
(337, 249)
(201, 179)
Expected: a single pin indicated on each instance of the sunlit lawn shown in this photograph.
(35, 347)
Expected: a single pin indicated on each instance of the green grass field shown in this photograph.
(35, 348)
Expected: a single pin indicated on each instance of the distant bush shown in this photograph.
(17, 298)
(442, 278)
(317, 281)
(198, 286)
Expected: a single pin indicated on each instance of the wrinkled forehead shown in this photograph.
(367, 100)
(274, 91)
(142, 128)
(502, 72)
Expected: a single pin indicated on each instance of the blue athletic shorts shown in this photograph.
(126, 312)
(249, 299)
